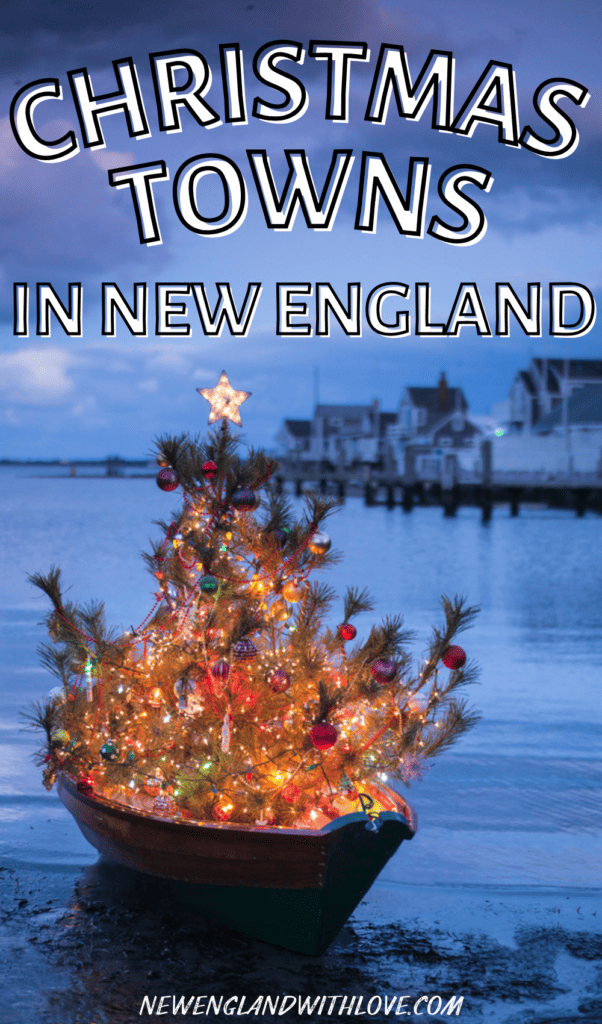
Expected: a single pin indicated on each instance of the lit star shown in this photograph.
(224, 400)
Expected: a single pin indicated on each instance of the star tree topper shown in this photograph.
(224, 400)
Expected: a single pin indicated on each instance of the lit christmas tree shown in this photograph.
(233, 701)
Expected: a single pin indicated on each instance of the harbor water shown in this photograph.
(514, 808)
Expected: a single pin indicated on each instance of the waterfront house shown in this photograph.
(339, 436)
(293, 438)
(545, 387)
(434, 433)
(567, 439)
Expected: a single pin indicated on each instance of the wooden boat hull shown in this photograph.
(292, 887)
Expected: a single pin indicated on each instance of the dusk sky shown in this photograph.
(62, 222)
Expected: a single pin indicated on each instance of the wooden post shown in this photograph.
(580, 496)
(449, 488)
(407, 503)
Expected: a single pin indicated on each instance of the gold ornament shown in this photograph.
(152, 785)
(319, 543)
(224, 400)
(292, 592)
(279, 611)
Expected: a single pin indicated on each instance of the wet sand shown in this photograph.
(85, 947)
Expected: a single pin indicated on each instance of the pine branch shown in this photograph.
(320, 506)
(356, 601)
(58, 661)
(317, 599)
(172, 449)
(457, 720)
(387, 640)
(50, 584)
(43, 717)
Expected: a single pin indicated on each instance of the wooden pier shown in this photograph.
(580, 493)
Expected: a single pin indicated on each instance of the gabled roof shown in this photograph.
(384, 420)
(438, 401)
(298, 428)
(527, 380)
(578, 369)
(584, 408)
(344, 411)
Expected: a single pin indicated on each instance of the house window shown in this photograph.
(420, 417)
(406, 416)
(457, 424)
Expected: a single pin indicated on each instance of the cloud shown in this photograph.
(107, 158)
(36, 376)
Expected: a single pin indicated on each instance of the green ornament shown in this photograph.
(108, 751)
(209, 584)
(131, 756)
(60, 738)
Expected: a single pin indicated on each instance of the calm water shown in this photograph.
(515, 803)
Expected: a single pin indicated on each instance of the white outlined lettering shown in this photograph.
(127, 100)
(295, 101)
(189, 94)
(339, 56)
(225, 311)
(139, 179)
(299, 189)
(21, 119)
(451, 191)
(233, 83)
(566, 137)
(70, 318)
(376, 180)
(374, 305)
(285, 309)
(235, 195)
(559, 293)
(114, 301)
(507, 301)
(392, 77)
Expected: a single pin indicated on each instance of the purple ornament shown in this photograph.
(280, 680)
(384, 670)
(167, 479)
(244, 649)
(243, 499)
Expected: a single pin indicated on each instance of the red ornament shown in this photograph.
(324, 735)
(384, 670)
(167, 479)
(243, 499)
(347, 631)
(209, 469)
(290, 793)
(454, 657)
(221, 669)
(280, 680)
(222, 809)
